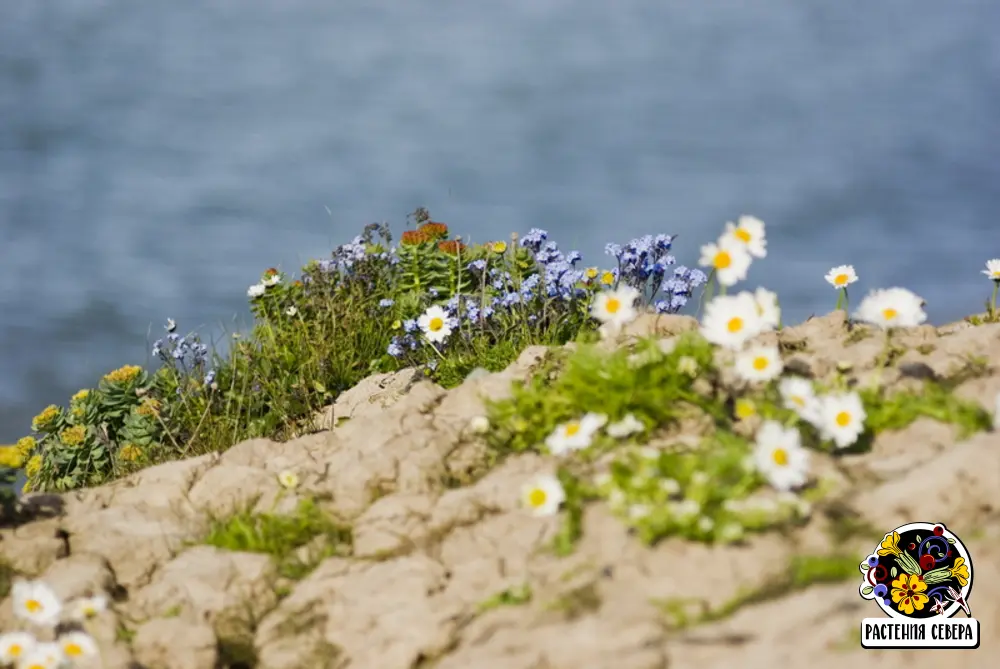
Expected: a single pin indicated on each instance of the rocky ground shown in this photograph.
(439, 573)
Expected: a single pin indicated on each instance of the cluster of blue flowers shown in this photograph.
(643, 264)
(187, 354)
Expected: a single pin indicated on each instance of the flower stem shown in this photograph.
(993, 301)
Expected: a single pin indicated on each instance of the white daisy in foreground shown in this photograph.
(626, 427)
(288, 479)
(892, 308)
(434, 323)
(779, 455)
(87, 607)
(767, 308)
(748, 231)
(615, 307)
(841, 418)
(43, 656)
(256, 290)
(728, 259)
(576, 434)
(759, 364)
(543, 495)
(798, 395)
(993, 269)
(77, 646)
(14, 646)
(730, 320)
(36, 602)
(841, 276)
(271, 278)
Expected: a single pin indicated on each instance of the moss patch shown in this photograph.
(936, 400)
(802, 572)
(297, 542)
(510, 597)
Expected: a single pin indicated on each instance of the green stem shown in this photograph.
(993, 300)
(840, 298)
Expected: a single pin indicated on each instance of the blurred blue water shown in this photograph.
(155, 157)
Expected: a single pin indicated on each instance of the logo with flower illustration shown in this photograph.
(920, 575)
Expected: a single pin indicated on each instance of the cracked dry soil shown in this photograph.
(428, 552)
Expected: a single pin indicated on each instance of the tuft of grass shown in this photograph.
(802, 571)
(284, 537)
(7, 576)
(936, 401)
(515, 596)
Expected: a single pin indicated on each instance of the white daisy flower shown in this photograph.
(686, 508)
(759, 364)
(15, 645)
(670, 486)
(767, 308)
(43, 656)
(87, 607)
(288, 479)
(271, 279)
(434, 323)
(626, 427)
(479, 425)
(748, 231)
(891, 308)
(687, 365)
(171, 325)
(543, 495)
(841, 418)
(706, 524)
(36, 602)
(993, 269)
(730, 320)
(615, 307)
(639, 511)
(780, 457)
(256, 290)
(291, 311)
(841, 276)
(576, 434)
(77, 646)
(798, 395)
(730, 260)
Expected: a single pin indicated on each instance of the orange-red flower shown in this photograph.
(451, 246)
(413, 237)
(433, 230)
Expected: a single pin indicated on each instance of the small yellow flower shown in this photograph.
(33, 467)
(592, 272)
(960, 571)
(745, 409)
(498, 247)
(149, 407)
(608, 278)
(73, 436)
(288, 479)
(80, 396)
(909, 593)
(11, 457)
(889, 545)
(26, 446)
(123, 375)
(397, 324)
(27, 488)
(129, 452)
(46, 419)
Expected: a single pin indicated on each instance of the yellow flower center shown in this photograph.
(843, 419)
(995, 274)
(36, 666)
(760, 363)
(592, 273)
(572, 429)
(435, 324)
(14, 650)
(607, 278)
(722, 260)
(780, 457)
(742, 235)
(889, 314)
(537, 497)
(799, 401)
(744, 409)
(613, 305)
(735, 324)
(73, 649)
(840, 279)
(33, 606)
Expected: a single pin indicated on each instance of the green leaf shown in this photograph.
(868, 590)
(865, 567)
(918, 538)
(319, 387)
(950, 540)
(893, 572)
